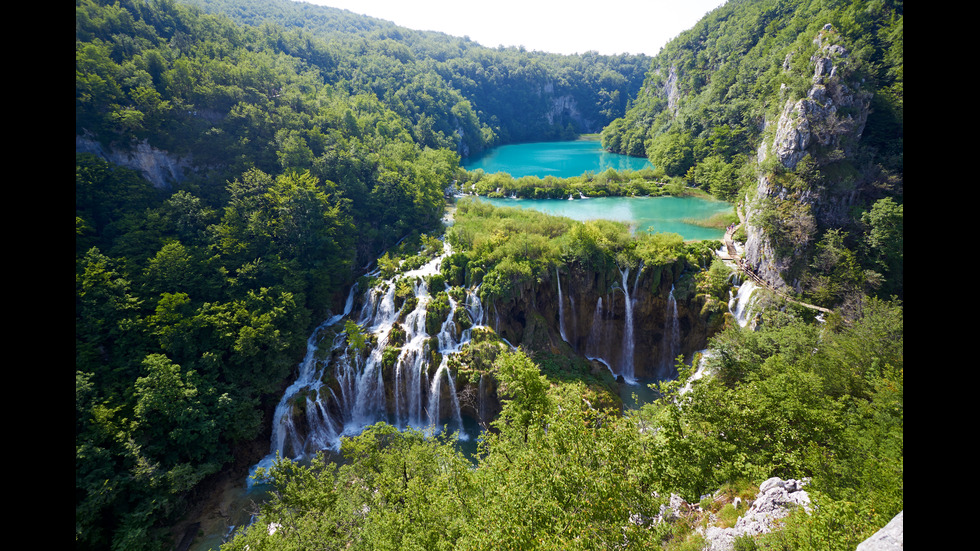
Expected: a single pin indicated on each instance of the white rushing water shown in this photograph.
(672, 337)
(357, 396)
(742, 302)
(627, 368)
(561, 309)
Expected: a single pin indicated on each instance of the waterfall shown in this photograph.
(411, 364)
(701, 370)
(571, 302)
(742, 302)
(592, 344)
(285, 436)
(435, 397)
(561, 309)
(447, 333)
(475, 310)
(339, 397)
(626, 367)
(447, 346)
(672, 337)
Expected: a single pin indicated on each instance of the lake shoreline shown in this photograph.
(561, 159)
(691, 217)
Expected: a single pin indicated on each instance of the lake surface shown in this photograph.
(661, 214)
(559, 159)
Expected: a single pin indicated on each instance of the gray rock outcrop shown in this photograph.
(159, 167)
(889, 538)
(775, 500)
(825, 124)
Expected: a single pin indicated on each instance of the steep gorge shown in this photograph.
(586, 309)
(416, 352)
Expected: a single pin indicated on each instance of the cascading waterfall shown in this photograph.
(356, 395)
(742, 302)
(627, 369)
(701, 371)
(284, 430)
(672, 337)
(411, 364)
(435, 396)
(561, 309)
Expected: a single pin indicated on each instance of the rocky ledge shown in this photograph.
(775, 500)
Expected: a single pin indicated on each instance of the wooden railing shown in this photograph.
(744, 268)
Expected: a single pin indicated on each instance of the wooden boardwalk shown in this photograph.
(731, 254)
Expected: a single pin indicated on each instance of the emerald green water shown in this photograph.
(659, 214)
(569, 159)
(559, 159)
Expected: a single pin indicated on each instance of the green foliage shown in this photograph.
(317, 139)
(835, 271)
(355, 336)
(560, 472)
(778, 408)
(720, 177)
(715, 281)
(883, 243)
(709, 91)
(437, 310)
(673, 152)
(515, 249)
(396, 490)
(610, 183)
(526, 389)
(573, 484)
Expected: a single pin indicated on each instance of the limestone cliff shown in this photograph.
(586, 310)
(160, 168)
(816, 131)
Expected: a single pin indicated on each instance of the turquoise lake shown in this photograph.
(559, 159)
(568, 159)
(661, 214)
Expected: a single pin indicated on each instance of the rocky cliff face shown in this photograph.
(159, 167)
(589, 313)
(565, 108)
(825, 126)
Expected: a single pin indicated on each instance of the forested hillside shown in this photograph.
(559, 471)
(517, 95)
(306, 152)
(305, 142)
(793, 109)
(713, 91)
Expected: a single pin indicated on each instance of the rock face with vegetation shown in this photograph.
(793, 109)
(775, 500)
(237, 173)
(587, 289)
(589, 315)
(160, 168)
(819, 130)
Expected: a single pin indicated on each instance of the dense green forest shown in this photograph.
(716, 96)
(711, 91)
(316, 140)
(515, 94)
(311, 151)
(560, 472)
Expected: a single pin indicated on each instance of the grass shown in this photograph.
(719, 221)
